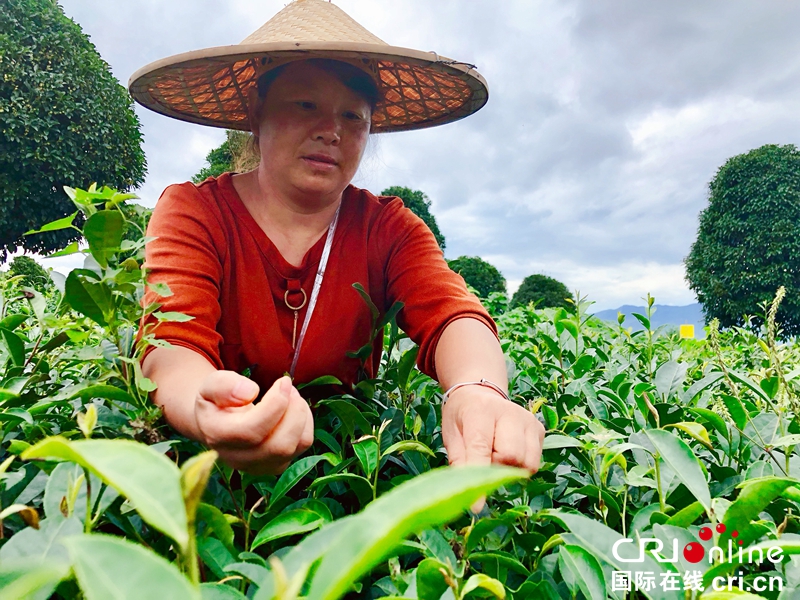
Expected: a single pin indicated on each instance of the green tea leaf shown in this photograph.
(430, 577)
(150, 480)
(215, 555)
(64, 223)
(72, 248)
(44, 543)
(216, 523)
(103, 231)
(643, 320)
(360, 485)
(93, 300)
(110, 567)
(305, 554)
(755, 496)
(555, 441)
(770, 385)
(350, 416)
(368, 301)
(405, 365)
(367, 451)
(390, 314)
(599, 540)
(695, 430)
(324, 380)
(569, 326)
(785, 441)
(583, 365)
(583, 570)
(31, 580)
(789, 547)
(484, 582)
(16, 414)
(432, 498)
(736, 410)
(405, 446)
(502, 559)
(717, 422)
(220, 591)
(62, 478)
(11, 322)
(670, 377)
(160, 288)
(108, 392)
(687, 515)
(437, 546)
(291, 476)
(14, 345)
(698, 386)
(176, 317)
(194, 478)
(292, 522)
(683, 462)
(749, 384)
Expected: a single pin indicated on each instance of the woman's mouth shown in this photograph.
(320, 161)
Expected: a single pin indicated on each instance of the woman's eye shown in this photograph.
(305, 105)
(351, 116)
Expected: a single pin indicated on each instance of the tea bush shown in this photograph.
(682, 448)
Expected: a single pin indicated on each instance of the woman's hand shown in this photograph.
(481, 427)
(258, 438)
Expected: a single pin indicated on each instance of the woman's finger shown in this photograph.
(509, 446)
(285, 439)
(533, 447)
(284, 443)
(307, 438)
(243, 426)
(227, 388)
(478, 431)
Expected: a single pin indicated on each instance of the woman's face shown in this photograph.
(312, 131)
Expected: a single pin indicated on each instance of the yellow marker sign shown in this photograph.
(687, 332)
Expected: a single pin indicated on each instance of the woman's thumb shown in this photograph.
(226, 388)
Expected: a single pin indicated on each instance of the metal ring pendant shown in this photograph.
(286, 300)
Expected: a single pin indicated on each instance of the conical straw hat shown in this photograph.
(417, 89)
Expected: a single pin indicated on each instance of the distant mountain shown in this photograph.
(691, 314)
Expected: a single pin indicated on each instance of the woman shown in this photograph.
(252, 256)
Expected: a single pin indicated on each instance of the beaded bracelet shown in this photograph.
(483, 382)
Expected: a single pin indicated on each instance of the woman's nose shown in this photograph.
(328, 130)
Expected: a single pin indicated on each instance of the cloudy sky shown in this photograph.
(590, 163)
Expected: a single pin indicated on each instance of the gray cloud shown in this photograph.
(591, 160)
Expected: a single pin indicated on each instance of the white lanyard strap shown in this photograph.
(323, 263)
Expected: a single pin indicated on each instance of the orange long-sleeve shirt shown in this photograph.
(226, 273)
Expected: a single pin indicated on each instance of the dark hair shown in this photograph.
(351, 76)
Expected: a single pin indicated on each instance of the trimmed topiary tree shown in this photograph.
(748, 241)
(478, 273)
(545, 291)
(236, 154)
(218, 161)
(419, 203)
(64, 120)
(33, 274)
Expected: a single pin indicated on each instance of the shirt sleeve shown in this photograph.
(418, 276)
(187, 254)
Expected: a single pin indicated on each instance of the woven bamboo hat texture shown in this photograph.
(210, 86)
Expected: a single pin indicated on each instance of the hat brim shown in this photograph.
(210, 86)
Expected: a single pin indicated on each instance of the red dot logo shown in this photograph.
(705, 534)
(735, 533)
(721, 528)
(694, 552)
